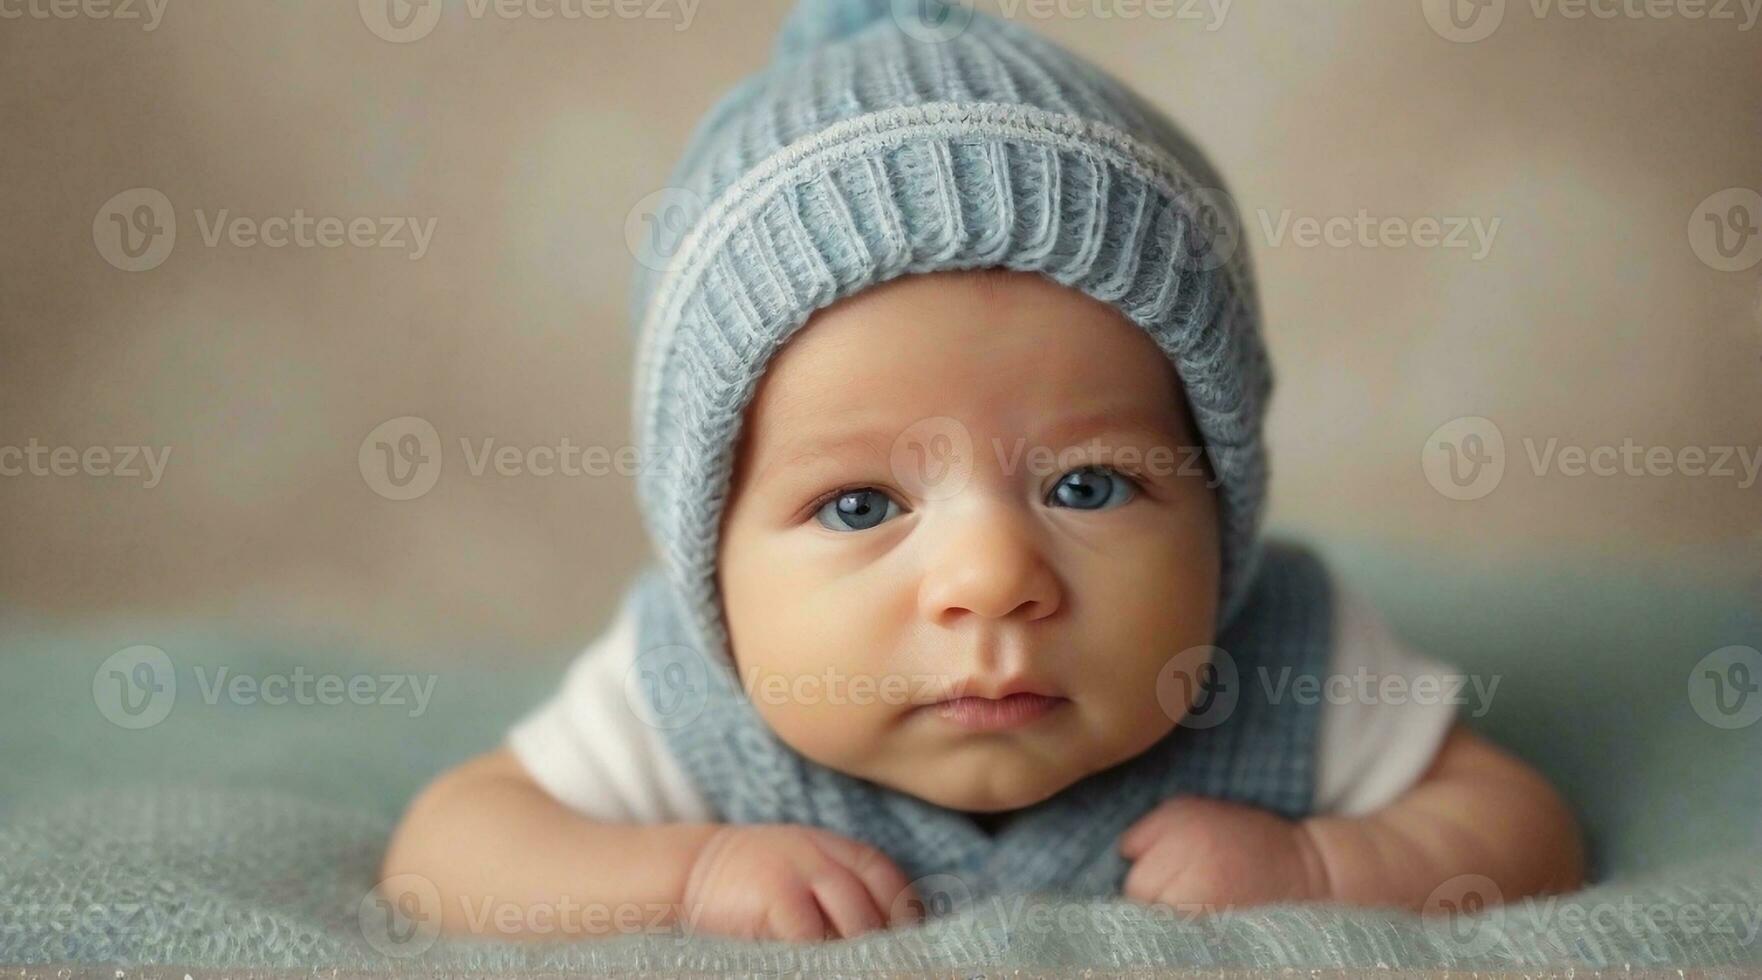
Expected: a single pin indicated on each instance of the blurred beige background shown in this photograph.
(1591, 318)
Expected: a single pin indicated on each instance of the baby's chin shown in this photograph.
(984, 779)
(987, 799)
(989, 773)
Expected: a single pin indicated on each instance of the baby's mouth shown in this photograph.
(981, 714)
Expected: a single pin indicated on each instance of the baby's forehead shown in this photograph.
(1006, 352)
(878, 424)
(984, 328)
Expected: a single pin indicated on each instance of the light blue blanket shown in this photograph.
(248, 835)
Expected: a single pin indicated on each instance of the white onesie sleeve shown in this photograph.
(589, 748)
(1373, 749)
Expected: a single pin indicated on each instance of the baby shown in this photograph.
(954, 397)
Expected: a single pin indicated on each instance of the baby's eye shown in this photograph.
(855, 510)
(1091, 488)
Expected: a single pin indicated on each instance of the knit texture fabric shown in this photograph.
(888, 138)
(153, 880)
(151, 852)
(1239, 743)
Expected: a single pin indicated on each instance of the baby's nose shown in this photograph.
(993, 566)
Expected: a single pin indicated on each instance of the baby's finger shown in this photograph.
(1139, 837)
(846, 901)
(892, 892)
(796, 917)
(1150, 876)
(903, 905)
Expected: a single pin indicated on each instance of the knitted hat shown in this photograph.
(910, 136)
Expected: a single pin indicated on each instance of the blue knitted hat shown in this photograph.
(910, 136)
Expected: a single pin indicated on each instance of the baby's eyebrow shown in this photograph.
(876, 440)
(1130, 421)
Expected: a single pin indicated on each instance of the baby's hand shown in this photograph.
(1193, 852)
(782, 881)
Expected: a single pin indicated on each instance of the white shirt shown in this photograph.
(590, 749)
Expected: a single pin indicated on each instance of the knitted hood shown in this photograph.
(887, 138)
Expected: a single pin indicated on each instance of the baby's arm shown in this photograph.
(509, 861)
(485, 830)
(1476, 811)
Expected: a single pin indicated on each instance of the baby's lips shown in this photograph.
(998, 688)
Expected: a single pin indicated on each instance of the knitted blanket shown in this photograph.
(249, 837)
(207, 878)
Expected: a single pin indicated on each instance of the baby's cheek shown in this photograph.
(823, 667)
(830, 726)
(1120, 695)
(1123, 717)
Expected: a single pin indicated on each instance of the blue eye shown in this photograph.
(1090, 488)
(855, 510)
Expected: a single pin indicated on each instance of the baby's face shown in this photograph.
(967, 530)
